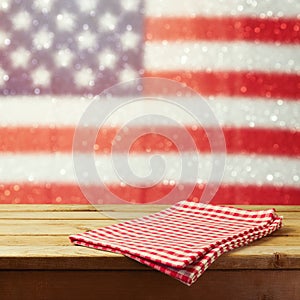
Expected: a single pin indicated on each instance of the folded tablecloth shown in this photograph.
(185, 239)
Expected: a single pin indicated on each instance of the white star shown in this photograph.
(5, 5)
(3, 77)
(43, 5)
(107, 22)
(107, 59)
(4, 39)
(127, 75)
(84, 77)
(20, 58)
(43, 39)
(87, 40)
(63, 57)
(41, 77)
(21, 20)
(87, 5)
(130, 5)
(129, 40)
(65, 21)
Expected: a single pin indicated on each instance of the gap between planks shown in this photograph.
(63, 240)
(93, 215)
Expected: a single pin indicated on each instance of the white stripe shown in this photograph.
(218, 56)
(244, 169)
(237, 112)
(41, 110)
(251, 8)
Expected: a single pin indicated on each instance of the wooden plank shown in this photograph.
(50, 227)
(76, 215)
(66, 257)
(289, 230)
(136, 285)
(90, 222)
(128, 207)
(65, 227)
(35, 240)
(278, 208)
(63, 240)
(76, 207)
(92, 215)
(277, 241)
(45, 207)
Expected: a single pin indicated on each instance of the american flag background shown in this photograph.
(243, 56)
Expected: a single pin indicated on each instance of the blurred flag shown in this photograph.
(243, 56)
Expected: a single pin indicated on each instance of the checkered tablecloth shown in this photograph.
(183, 240)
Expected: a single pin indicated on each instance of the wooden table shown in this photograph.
(37, 260)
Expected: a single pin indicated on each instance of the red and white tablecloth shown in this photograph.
(183, 240)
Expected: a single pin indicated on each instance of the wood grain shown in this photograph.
(65, 227)
(91, 215)
(66, 257)
(128, 207)
(78, 215)
(37, 261)
(145, 285)
(63, 240)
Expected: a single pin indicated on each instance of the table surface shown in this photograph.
(35, 237)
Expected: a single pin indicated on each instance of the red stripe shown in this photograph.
(249, 84)
(238, 140)
(46, 139)
(223, 29)
(66, 194)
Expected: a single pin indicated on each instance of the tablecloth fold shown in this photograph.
(183, 240)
